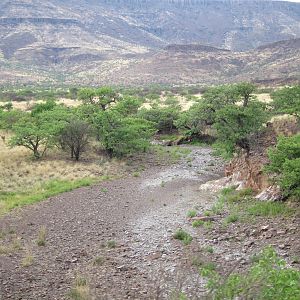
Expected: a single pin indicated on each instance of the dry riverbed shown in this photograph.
(115, 240)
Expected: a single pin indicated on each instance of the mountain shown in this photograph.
(95, 41)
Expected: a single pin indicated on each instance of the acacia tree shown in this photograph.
(287, 100)
(38, 132)
(75, 136)
(33, 134)
(101, 97)
(123, 136)
(87, 95)
(235, 124)
(245, 90)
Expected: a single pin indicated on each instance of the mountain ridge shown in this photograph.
(70, 37)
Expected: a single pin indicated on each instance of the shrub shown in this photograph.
(285, 163)
(287, 100)
(267, 279)
(163, 117)
(124, 136)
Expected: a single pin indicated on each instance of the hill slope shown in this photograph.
(67, 40)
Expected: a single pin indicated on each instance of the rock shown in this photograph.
(272, 193)
(264, 228)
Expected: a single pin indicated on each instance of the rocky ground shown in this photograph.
(115, 240)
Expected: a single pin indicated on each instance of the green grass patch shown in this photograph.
(269, 209)
(183, 236)
(242, 205)
(197, 223)
(9, 201)
(192, 213)
(231, 218)
(268, 278)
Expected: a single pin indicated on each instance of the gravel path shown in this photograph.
(137, 215)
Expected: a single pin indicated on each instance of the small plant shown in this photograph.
(81, 290)
(99, 260)
(41, 241)
(162, 184)
(104, 190)
(197, 223)
(28, 259)
(13, 247)
(207, 268)
(209, 249)
(208, 225)
(111, 244)
(192, 213)
(231, 218)
(136, 174)
(183, 236)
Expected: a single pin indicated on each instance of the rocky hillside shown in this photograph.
(53, 40)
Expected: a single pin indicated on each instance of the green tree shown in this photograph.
(235, 124)
(38, 132)
(245, 90)
(287, 100)
(87, 95)
(196, 120)
(44, 106)
(75, 137)
(285, 162)
(128, 106)
(163, 117)
(9, 118)
(101, 97)
(124, 136)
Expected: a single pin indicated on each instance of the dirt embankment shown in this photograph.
(247, 169)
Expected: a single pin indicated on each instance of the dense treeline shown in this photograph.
(230, 114)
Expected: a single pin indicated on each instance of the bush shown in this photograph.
(267, 279)
(163, 117)
(285, 163)
(287, 100)
(124, 136)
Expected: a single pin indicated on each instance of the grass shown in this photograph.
(28, 259)
(208, 249)
(41, 240)
(25, 181)
(197, 223)
(9, 201)
(192, 213)
(99, 261)
(111, 244)
(10, 248)
(183, 236)
(269, 209)
(81, 290)
(242, 205)
(231, 218)
(268, 278)
(207, 268)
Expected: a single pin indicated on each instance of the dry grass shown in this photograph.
(20, 174)
(27, 105)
